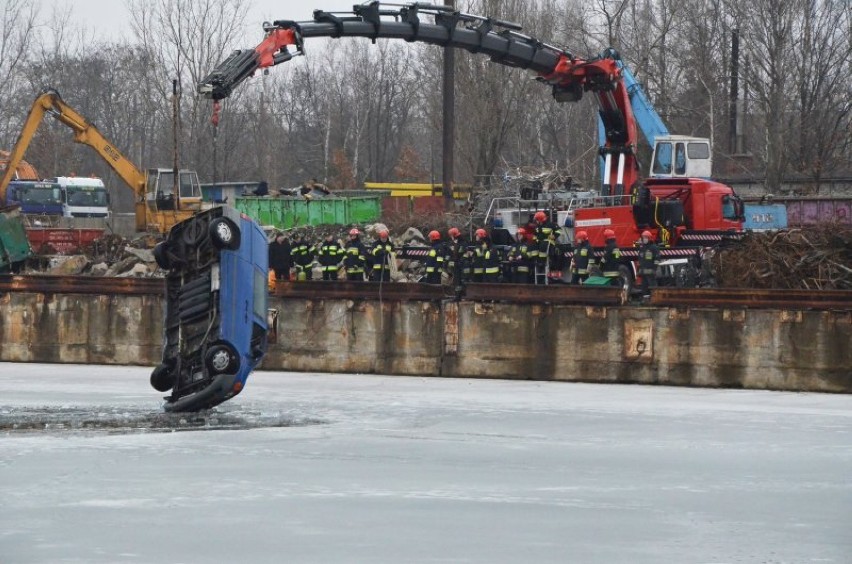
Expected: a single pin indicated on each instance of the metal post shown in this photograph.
(175, 127)
(449, 121)
(734, 94)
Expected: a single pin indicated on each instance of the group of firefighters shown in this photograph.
(526, 261)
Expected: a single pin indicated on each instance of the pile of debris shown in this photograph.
(812, 258)
(110, 256)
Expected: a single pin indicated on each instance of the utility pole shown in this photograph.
(449, 106)
(733, 134)
(175, 140)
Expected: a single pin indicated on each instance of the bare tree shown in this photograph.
(18, 20)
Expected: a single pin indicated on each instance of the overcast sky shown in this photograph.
(108, 19)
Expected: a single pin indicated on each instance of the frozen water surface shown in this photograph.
(345, 468)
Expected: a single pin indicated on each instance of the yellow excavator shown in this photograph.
(162, 198)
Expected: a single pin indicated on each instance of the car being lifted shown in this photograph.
(215, 324)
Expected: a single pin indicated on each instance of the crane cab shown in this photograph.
(680, 156)
(160, 191)
(163, 208)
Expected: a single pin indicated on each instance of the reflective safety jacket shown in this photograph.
(649, 256)
(491, 260)
(355, 256)
(303, 253)
(583, 258)
(545, 237)
(330, 254)
(521, 258)
(382, 252)
(435, 258)
(611, 260)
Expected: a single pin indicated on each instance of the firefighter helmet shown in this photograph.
(609, 234)
(453, 232)
(521, 232)
(582, 236)
(354, 232)
(647, 234)
(434, 236)
(540, 217)
(383, 234)
(481, 233)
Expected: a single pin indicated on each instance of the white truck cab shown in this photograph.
(83, 197)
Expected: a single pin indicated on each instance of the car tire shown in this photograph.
(221, 359)
(224, 234)
(193, 232)
(161, 255)
(162, 378)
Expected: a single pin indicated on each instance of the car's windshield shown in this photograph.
(39, 195)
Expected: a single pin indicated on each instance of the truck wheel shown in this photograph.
(161, 256)
(162, 378)
(221, 359)
(224, 234)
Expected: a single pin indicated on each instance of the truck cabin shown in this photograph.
(679, 156)
(694, 203)
(83, 197)
(35, 198)
(161, 187)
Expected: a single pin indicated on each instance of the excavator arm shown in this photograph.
(568, 76)
(50, 102)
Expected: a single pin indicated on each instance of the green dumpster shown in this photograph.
(288, 212)
(14, 245)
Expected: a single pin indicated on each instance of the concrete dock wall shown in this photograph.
(760, 349)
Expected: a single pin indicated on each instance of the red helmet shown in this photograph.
(383, 233)
(434, 236)
(521, 232)
(354, 232)
(647, 234)
(609, 234)
(582, 236)
(481, 233)
(453, 232)
(540, 216)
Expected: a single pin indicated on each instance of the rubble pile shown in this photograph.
(111, 256)
(812, 258)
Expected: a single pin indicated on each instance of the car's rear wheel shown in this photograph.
(224, 234)
(161, 256)
(162, 378)
(221, 359)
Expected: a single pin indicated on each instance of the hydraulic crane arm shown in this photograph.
(49, 102)
(502, 41)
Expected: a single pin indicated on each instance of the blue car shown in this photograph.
(215, 323)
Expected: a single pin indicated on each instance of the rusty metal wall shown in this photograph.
(700, 346)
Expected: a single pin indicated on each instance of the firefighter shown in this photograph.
(303, 256)
(520, 257)
(649, 257)
(355, 257)
(584, 258)
(476, 256)
(330, 255)
(454, 254)
(611, 259)
(435, 259)
(382, 256)
(545, 237)
(491, 261)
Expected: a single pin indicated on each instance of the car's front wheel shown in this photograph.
(162, 378)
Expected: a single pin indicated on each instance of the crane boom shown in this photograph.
(568, 76)
(50, 102)
(156, 203)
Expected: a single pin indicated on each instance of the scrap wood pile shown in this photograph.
(812, 258)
